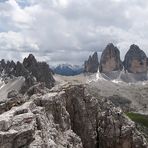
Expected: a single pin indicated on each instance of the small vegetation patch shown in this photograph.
(138, 118)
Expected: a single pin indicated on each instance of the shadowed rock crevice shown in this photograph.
(69, 118)
(98, 123)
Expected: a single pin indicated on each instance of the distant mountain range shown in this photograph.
(68, 70)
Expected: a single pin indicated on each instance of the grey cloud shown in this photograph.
(67, 31)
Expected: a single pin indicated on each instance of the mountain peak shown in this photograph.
(110, 59)
(135, 60)
(92, 64)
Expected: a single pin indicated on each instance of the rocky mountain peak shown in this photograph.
(95, 56)
(92, 64)
(32, 70)
(110, 45)
(29, 61)
(31, 57)
(39, 70)
(110, 59)
(2, 62)
(135, 60)
(134, 47)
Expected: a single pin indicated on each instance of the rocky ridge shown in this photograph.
(66, 117)
(32, 70)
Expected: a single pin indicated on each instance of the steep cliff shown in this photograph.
(92, 64)
(67, 117)
(135, 60)
(32, 70)
(110, 59)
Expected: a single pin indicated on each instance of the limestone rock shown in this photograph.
(40, 70)
(32, 70)
(7, 67)
(13, 99)
(99, 123)
(42, 122)
(110, 59)
(135, 60)
(21, 70)
(92, 64)
(68, 118)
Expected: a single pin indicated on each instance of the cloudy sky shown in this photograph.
(67, 31)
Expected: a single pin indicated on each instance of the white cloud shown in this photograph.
(16, 42)
(69, 30)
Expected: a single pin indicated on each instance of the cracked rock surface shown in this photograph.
(67, 118)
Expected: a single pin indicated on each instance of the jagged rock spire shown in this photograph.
(110, 59)
(135, 60)
(92, 64)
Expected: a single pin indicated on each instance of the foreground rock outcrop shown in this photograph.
(110, 59)
(42, 121)
(135, 60)
(66, 117)
(92, 64)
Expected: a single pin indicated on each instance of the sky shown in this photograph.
(68, 31)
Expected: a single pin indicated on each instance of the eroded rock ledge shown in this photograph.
(67, 118)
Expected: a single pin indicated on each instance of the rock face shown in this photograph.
(98, 123)
(135, 60)
(42, 122)
(30, 69)
(40, 70)
(110, 59)
(92, 64)
(66, 118)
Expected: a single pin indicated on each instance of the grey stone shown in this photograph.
(135, 60)
(92, 64)
(110, 59)
(69, 118)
